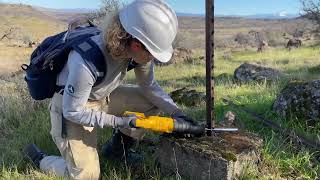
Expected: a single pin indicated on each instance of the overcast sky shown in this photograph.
(222, 7)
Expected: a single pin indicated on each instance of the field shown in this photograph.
(23, 121)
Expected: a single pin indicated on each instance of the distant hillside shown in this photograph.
(64, 14)
(28, 22)
(281, 15)
(40, 22)
(67, 11)
(22, 10)
(40, 12)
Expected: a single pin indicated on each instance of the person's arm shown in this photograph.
(76, 93)
(151, 89)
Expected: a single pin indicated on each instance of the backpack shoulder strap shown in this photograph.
(132, 64)
(94, 58)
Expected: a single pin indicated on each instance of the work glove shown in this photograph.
(179, 116)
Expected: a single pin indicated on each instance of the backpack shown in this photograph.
(49, 58)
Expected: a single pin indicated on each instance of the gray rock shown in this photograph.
(220, 157)
(188, 97)
(254, 72)
(229, 119)
(299, 99)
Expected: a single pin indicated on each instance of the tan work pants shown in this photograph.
(79, 158)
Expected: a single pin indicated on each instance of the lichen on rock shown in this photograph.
(299, 99)
(221, 156)
(250, 72)
(188, 97)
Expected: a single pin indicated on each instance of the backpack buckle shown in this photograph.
(51, 65)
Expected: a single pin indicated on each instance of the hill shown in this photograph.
(192, 30)
(35, 23)
(27, 25)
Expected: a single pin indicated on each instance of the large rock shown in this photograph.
(300, 99)
(188, 97)
(254, 72)
(219, 157)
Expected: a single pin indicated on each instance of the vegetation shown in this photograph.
(21, 118)
(24, 121)
(311, 9)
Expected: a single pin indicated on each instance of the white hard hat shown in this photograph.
(153, 23)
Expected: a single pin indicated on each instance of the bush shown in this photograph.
(275, 38)
(244, 39)
(224, 43)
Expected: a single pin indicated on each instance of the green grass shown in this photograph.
(22, 123)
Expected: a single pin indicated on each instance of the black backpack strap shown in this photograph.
(132, 64)
(94, 58)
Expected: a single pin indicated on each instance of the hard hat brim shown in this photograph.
(164, 56)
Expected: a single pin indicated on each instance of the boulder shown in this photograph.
(229, 119)
(300, 99)
(220, 157)
(254, 72)
(188, 97)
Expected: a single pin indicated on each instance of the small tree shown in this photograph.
(7, 33)
(107, 7)
(311, 9)
(244, 39)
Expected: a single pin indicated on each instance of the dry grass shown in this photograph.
(193, 30)
(12, 57)
(29, 25)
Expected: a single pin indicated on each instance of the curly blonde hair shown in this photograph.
(116, 38)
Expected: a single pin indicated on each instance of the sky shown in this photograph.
(222, 7)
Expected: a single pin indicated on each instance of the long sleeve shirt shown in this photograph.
(78, 81)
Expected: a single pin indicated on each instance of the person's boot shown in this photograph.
(34, 154)
(118, 148)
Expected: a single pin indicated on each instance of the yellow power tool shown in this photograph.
(165, 124)
(170, 125)
(153, 123)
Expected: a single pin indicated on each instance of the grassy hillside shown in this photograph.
(29, 25)
(24, 122)
(192, 30)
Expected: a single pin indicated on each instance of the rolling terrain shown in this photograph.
(23, 120)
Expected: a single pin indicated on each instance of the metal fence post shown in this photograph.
(210, 65)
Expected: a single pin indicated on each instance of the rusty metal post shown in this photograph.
(210, 64)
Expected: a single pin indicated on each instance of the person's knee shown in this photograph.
(82, 161)
(90, 173)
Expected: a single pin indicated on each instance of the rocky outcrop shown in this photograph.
(188, 97)
(255, 73)
(301, 100)
(223, 156)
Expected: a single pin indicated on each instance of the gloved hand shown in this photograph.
(183, 124)
(178, 115)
